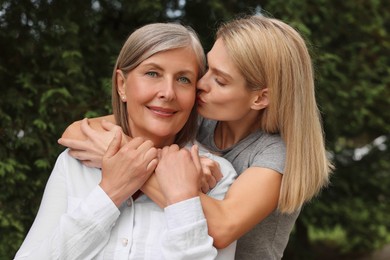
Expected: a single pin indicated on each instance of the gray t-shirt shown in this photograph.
(268, 239)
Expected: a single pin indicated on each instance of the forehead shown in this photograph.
(218, 50)
(183, 59)
(219, 59)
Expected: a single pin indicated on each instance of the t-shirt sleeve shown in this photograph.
(271, 153)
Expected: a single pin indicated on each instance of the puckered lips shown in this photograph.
(200, 100)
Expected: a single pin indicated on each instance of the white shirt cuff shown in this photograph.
(184, 213)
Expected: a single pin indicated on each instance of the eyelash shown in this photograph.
(215, 79)
(219, 83)
(149, 73)
(186, 79)
(156, 74)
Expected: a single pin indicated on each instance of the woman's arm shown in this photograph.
(88, 139)
(76, 215)
(250, 199)
(57, 232)
(179, 174)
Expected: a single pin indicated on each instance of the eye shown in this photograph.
(152, 74)
(219, 83)
(184, 80)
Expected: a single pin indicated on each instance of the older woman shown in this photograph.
(88, 213)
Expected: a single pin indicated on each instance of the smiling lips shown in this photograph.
(164, 112)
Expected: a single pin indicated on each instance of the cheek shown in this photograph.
(223, 97)
(138, 94)
(187, 100)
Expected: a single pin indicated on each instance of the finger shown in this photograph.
(212, 166)
(152, 165)
(208, 177)
(174, 148)
(151, 154)
(205, 186)
(211, 182)
(195, 157)
(72, 143)
(134, 143)
(114, 146)
(77, 154)
(217, 171)
(145, 146)
(90, 164)
(85, 127)
(107, 125)
(164, 151)
(159, 150)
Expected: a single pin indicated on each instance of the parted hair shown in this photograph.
(142, 44)
(271, 54)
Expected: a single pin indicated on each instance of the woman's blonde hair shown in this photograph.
(142, 44)
(271, 54)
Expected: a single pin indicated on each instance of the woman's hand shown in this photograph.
(179, 173)
(211, 173)
(125, 169)
(90, 151)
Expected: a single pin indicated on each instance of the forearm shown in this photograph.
(250, 199)
(221, 225)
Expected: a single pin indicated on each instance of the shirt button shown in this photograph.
(124, 241)
(129, 202)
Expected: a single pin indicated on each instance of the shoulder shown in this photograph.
(67, 164)
(264, 141)
(270, 138)
(76, 175)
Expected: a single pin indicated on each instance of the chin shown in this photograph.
(163, 133)
(204, 114)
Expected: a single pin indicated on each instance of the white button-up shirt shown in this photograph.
(77, 220)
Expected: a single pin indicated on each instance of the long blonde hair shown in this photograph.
(142, 44)
(271, 54)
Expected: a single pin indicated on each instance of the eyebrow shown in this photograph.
(220, 72)
(152, 64)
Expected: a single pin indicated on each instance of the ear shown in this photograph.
(121, 85)
(260, 99)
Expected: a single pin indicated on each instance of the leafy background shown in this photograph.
(56, 59)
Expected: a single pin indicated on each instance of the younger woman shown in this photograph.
(258, 103)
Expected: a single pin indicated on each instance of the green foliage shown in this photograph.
(56, 63)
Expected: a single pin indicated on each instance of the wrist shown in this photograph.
(114, 194)
(180, 196)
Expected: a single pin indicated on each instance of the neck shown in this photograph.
(228, 133)
(161, 142)
(158, 141)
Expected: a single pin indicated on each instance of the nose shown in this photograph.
(167, 90)
(202, 83)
